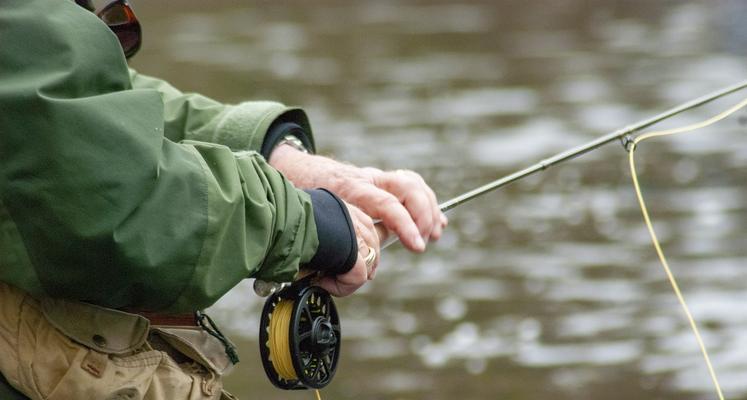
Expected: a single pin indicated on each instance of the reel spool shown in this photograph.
(299, 337)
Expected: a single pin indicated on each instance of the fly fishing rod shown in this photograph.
(300, 328)
(624, 135)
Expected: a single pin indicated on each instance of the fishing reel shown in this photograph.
(299, 336)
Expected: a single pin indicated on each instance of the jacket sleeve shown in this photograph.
(111, 208)
(242, 126)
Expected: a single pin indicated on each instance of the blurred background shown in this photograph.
(548, 288)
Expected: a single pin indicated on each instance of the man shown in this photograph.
(127, 206)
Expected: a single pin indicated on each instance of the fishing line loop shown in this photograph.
(655, 240)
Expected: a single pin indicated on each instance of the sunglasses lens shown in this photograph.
(121, 20)
(129, 38)
(116, 13)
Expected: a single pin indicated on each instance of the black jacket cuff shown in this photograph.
(338, 248)
(279, 130)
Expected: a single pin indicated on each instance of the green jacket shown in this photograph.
(119, 190)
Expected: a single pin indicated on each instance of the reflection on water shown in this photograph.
(548, 288)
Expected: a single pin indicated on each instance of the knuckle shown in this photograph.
(390, 202)
(366, 221)
(412, 176)
(423, 216)
(420, 203)
(372, 171)
(356, 196)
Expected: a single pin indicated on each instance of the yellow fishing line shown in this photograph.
(655, 240)
(279, 342)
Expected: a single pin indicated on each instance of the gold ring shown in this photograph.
(370, 258)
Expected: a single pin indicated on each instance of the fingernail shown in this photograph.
(419, 243)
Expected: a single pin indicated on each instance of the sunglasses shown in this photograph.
(120, 18)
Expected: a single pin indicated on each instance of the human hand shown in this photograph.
(400, 199)
(368, 241)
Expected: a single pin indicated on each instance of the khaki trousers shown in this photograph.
(43, 363)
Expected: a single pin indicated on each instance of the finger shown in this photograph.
(347, 283)
(368, 241)
(381, 232)
(408, 187)
(418, 205)
(364, 252)
(439, 218)
(437, 223)
(395, 217)
(364, 227)
(371, 259)
(335, 288)
(372, 274)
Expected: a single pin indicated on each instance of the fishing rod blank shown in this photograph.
(622, 134)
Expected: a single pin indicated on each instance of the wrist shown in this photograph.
(305, 171)
(282, 155)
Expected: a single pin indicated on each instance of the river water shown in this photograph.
(549, 288)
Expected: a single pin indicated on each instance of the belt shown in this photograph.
(189, 319)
